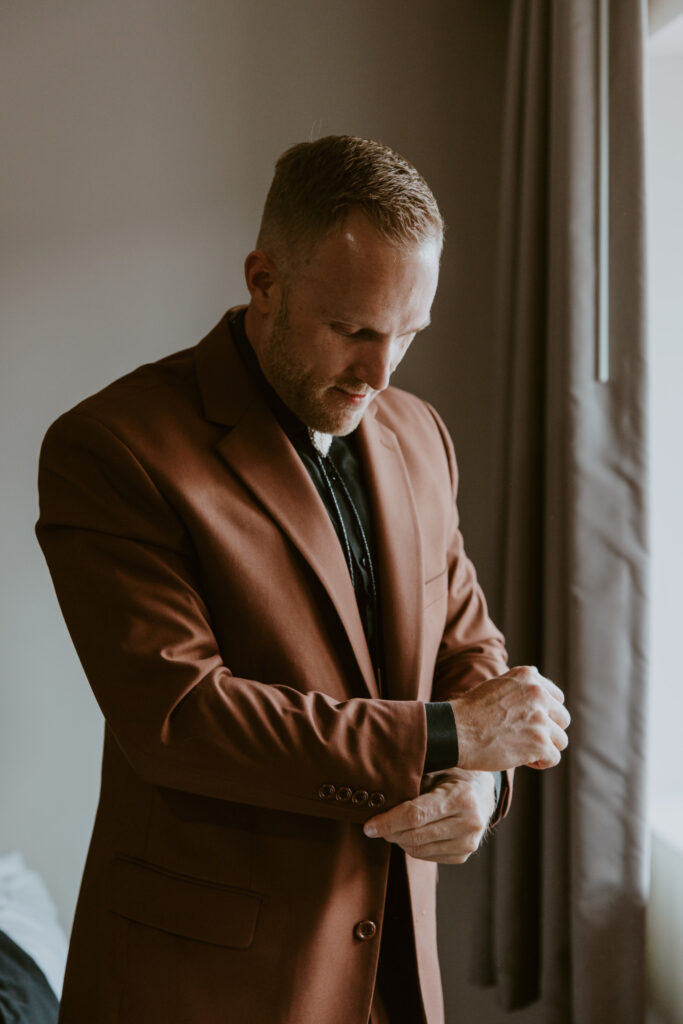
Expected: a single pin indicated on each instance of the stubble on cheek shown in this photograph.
(317, 401)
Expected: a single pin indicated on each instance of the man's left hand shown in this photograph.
(446, 823)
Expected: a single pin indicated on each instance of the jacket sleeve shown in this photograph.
(129, 585)
(472, 649)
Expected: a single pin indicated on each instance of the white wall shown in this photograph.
(665, 210)
(661, 12)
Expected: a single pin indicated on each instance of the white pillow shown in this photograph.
(29, 917)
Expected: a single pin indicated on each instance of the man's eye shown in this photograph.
(348, 332)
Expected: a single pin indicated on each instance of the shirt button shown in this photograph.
(344, 793)
(365, 930)
(364, 561)
(376, 799)
(326, 791)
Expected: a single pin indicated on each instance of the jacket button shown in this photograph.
(365, 930)
(344, 793)
(326, 791)
(360, 797)
(376, 799)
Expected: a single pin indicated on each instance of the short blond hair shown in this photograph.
(317, 184)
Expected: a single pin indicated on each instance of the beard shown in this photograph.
(315, 400)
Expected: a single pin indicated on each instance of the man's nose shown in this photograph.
(375, 365)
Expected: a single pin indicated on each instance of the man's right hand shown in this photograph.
(512, 720)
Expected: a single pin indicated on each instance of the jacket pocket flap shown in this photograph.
(196, 909)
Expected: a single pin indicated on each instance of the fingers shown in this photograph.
(530, 674)
(558, 736)
(446, 822)
(445, 851)
(547, 721)
(555, 706)
(549, 760)
(560, 715)
(515, 719)
(405, 817)
(552, 696)
(455, 837)
(449, 840)
(551, 741)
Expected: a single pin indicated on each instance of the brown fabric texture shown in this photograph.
(211, 607)
(560, 915)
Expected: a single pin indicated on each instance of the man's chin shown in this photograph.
(340, 426)
(329, 415)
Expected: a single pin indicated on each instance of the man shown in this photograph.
(255, 546)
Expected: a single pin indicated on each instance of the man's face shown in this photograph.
(345, 321)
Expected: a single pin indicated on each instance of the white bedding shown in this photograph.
(29, 917)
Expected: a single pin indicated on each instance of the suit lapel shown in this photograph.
(400, 556)
(257, 450)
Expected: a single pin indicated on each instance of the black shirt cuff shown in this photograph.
(442, 737)
(442, 742)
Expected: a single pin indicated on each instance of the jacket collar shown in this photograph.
(259, 452)
(226, 388)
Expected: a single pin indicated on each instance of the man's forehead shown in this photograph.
(356, 237)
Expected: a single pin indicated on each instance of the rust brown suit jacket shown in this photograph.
(246, 739)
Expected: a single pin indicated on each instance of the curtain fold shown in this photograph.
(562, 887)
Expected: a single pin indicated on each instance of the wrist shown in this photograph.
(466, 739)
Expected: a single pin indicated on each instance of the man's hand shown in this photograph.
(446, 822)
(515, 719)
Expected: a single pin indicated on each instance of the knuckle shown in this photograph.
(475, 824)
(468, 800)
(550, 758)
(482, 822)
(536, 691)
(415, 816)
(538, 736)
(471, 844)
(526, 673)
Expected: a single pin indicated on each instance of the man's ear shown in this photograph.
(261, 275)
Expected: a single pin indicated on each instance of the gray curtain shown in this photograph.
(562, 887)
